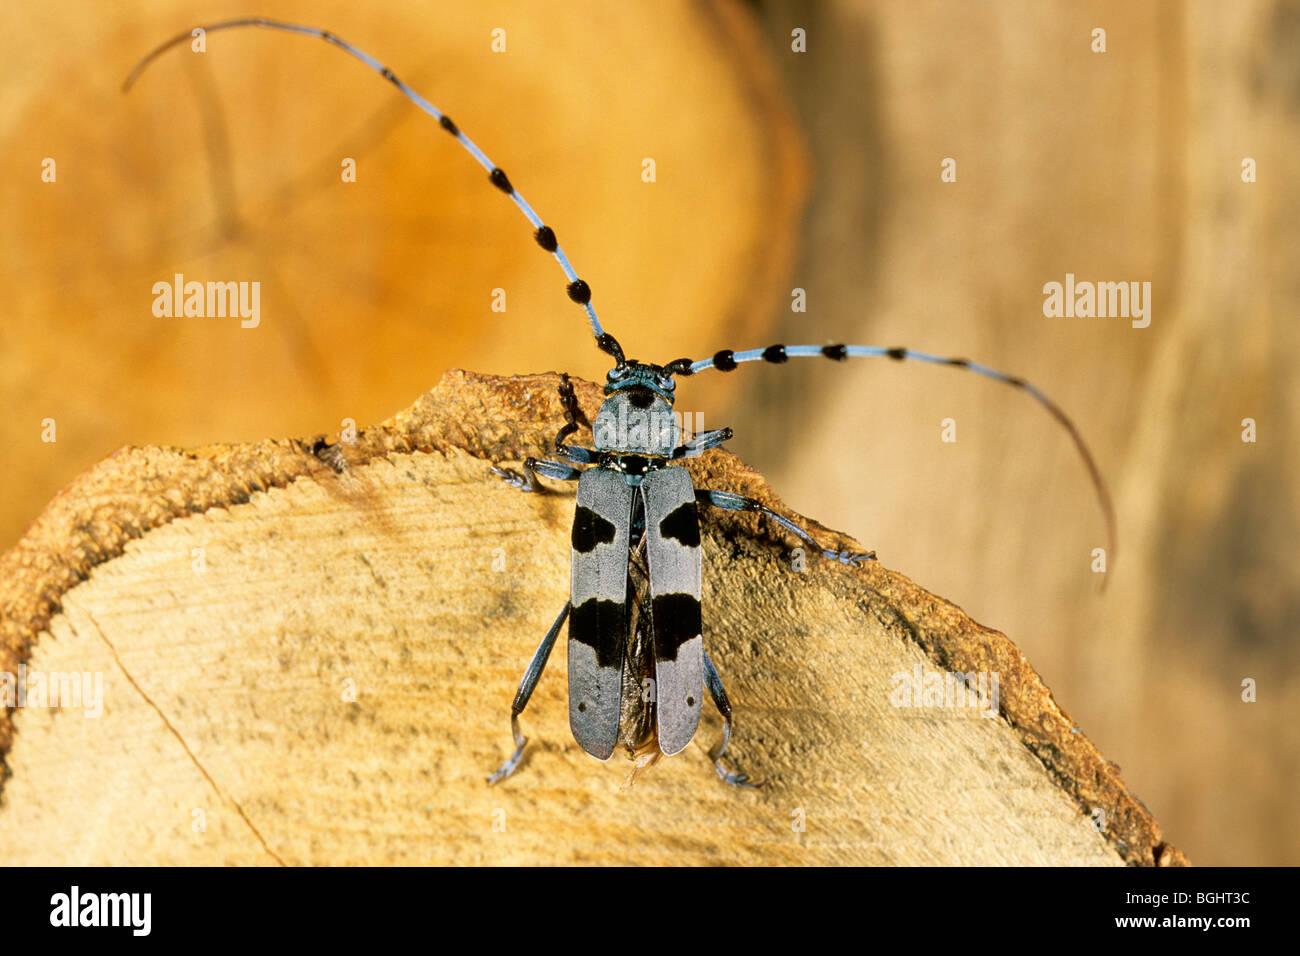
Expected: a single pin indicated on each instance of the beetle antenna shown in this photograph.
(577, 289)
(726, 360)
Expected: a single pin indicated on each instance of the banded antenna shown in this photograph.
(726, 360)
(577, 289)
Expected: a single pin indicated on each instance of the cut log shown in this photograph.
(227, 166)
(307, 650)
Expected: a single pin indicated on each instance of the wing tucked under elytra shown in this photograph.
(672, 534)
(598, 621)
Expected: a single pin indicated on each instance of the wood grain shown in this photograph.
(400, 568)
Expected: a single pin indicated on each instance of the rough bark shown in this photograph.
(333, 685)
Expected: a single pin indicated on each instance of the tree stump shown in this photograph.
(308, 649)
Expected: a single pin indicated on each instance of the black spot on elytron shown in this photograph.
(582, 706)
(725, 360)
(775, 354)
(446, 123)
(676, 619)
(641, 398)
(500, 181)
(690, 701)
(579, 292)
(600, 625)
(589, 530)
(897, 354)
(682, 525)
(545, 237)
(837, 352)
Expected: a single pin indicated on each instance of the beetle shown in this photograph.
(637, 665)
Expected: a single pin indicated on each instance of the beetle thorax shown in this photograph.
(637, 418)
(636, 421)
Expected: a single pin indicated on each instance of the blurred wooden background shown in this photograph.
(1116, 166)
(227, 166)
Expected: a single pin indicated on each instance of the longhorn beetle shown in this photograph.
(634, 595)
